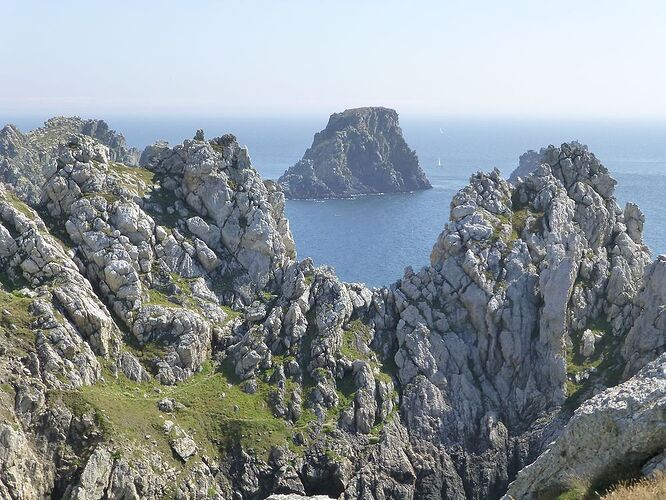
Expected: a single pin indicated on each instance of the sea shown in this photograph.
(373, 239)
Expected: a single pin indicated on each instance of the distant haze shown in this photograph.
(592, 58)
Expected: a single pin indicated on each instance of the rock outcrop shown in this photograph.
(619, 430)
(26, 160)
(361, 151)
(160, 338)
(485, 337)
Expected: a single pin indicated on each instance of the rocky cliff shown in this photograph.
(361, 151)
(161, 339)
(26, 160)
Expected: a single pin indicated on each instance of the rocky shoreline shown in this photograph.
(161, 339)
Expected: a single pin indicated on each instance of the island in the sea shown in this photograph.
(361, 151)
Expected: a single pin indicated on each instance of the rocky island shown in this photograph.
(361, 151)
(160, 338)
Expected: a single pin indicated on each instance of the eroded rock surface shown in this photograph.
(615, 431)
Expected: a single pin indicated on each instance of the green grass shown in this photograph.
(231, 314)
(136, 179)
(109, 197)
(185, 285)
(218, 416)
(517, 221)
(356, 333)
(18, 204)
(603, 360)
(21, 335)
(574, 493)
(147, 352)
(158, 298)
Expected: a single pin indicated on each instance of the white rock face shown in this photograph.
(22, 474)
(647, 337)
(236, 213)
(587, 343)
(621, 427)
(95, 477)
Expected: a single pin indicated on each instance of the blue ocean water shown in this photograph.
(372, 239)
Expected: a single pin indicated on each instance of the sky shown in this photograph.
(534, 58)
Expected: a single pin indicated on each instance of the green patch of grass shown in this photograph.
(16, 324)
(379, 426)
(603, 360)
(18, 204)
(158, 298)
(359, 334)
(147, 352)
(231, 314)
(185, 285)
(575, 493)
(356, 333)
(217, 413)
(80, 406)
(109, 197)
(134, 178)
(519, 221)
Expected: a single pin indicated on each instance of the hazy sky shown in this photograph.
(587, 58)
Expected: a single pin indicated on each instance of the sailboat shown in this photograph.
(439, 162)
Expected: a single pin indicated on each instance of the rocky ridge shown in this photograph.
(161, 339)
(26, 159)
(361, 151)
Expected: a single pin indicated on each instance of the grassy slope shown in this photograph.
(217, 413)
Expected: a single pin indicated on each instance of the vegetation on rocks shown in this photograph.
(198, 356)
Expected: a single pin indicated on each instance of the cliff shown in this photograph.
(26, 160)
(162, 339)
(361, 151)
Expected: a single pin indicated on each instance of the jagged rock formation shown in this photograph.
(361, 151)
(609, 434)
(161, 339)
(485, 335)
(527, 163)
(26, 160)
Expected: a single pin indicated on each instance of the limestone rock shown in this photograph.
(620, 428)
(26, 159)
